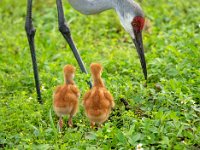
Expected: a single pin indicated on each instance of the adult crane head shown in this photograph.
(132, 19)
(130, 14)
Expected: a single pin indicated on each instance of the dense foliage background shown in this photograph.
(163, 115)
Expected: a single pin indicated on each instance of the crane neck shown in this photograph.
(68, 81)
(98, 82)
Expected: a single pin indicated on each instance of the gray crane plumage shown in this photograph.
(126, 9)
(89, 7)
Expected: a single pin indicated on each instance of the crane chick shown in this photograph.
(98, 101)
(65, 97)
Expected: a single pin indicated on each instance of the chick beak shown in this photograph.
(139, 46)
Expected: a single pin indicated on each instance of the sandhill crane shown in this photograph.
(98, 101)
(65, 97)
(130, 14)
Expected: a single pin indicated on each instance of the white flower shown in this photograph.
(43, 88)
(29, 99)
(183, 142)
(139, 147)
(183, 102)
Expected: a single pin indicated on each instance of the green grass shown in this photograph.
(164, 115)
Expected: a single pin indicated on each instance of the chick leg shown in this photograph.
(30, 31)
(60, 124)
(64, 29)
(92, 124)
(70, 123)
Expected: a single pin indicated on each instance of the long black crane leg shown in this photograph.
(30, 31)
(64, 29)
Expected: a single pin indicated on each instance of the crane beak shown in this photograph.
(139, 46)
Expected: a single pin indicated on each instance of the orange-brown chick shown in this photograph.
(65, 97)
(97, 101)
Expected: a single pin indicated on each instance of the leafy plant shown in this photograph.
(163, 115)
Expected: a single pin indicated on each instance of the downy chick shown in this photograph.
(98, 101)
(65, 97)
